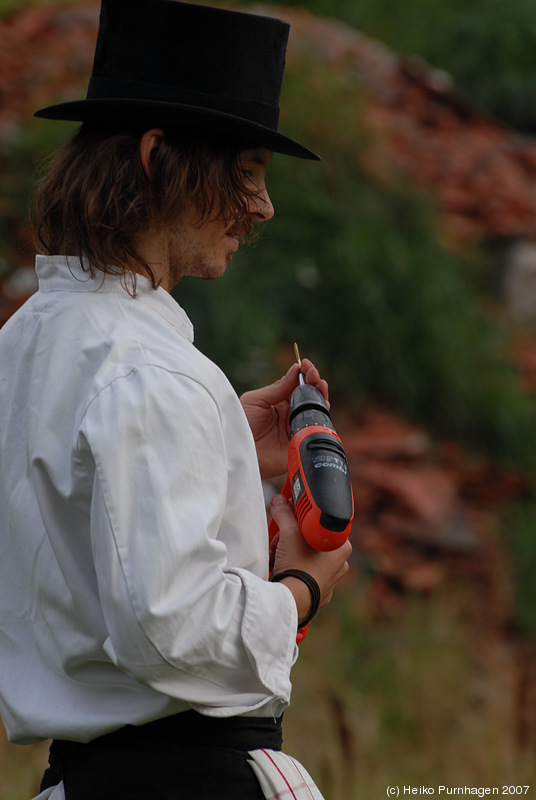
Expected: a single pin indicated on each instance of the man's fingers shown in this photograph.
(275, 392)
(312, 377)
(282, 511)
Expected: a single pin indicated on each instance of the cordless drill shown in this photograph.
(318, 480)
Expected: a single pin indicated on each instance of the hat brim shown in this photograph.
(191, 117)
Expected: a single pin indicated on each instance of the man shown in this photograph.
(139, 629)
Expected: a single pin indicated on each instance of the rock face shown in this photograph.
(46, 54)
(481, 173)
(412, 124)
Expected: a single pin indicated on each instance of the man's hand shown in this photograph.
(267, 413)
(291, 551)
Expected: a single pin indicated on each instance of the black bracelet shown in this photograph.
(311, 584)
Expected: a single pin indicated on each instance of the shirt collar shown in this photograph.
(65, 273)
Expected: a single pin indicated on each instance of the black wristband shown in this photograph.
(311, 584)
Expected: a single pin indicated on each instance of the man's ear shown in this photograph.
(150, 141)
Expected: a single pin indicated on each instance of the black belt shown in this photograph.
(192, 729)
(180, 732)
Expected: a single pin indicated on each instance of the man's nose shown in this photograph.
(260, 206)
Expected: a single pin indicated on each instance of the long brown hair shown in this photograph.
(95, 197)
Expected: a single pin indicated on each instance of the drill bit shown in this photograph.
(298, 359)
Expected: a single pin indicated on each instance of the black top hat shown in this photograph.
(207, 69)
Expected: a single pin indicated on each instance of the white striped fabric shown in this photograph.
(282, 777)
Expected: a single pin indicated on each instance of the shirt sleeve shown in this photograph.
(186, 605)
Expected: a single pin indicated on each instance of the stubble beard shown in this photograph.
(199, 266)
(187, 262)
(184, 260)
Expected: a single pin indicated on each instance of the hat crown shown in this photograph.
(180, 52)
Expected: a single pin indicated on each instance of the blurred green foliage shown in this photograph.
(487, 46)
(22, 155)
(7, 6)
(405, 699)
(519, 525)
(356, 273)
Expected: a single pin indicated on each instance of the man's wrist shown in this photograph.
(305, 591)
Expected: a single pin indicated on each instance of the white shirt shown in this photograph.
(133, 537)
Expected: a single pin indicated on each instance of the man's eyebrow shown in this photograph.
(256, 157)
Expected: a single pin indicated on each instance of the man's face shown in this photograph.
(203, 250)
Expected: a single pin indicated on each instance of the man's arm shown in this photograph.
(180, 545)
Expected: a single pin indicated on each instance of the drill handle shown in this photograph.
(273, 530)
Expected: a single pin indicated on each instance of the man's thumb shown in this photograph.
(279, 506)
(282, 388)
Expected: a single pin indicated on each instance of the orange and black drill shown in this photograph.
(318, 480)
